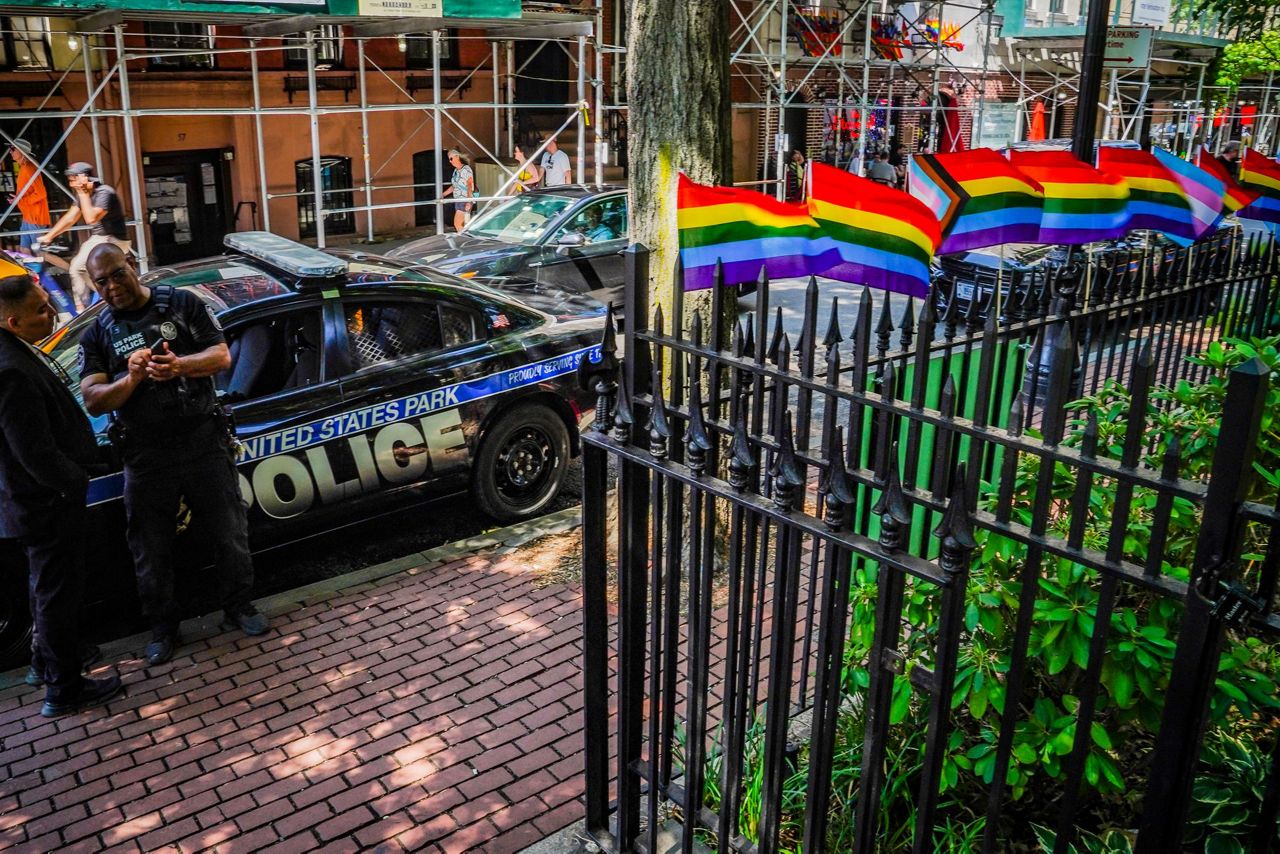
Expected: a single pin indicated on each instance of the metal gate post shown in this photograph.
(1195, 663)
(595, 590)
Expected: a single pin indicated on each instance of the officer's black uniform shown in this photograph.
(174, 445)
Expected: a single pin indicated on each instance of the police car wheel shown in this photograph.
(15, 616)
(522, 463)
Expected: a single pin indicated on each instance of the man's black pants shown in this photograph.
(55, 561)
(194, 466)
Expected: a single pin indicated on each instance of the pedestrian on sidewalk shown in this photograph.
(462, 186)
(44, 458)
(33, 202)
(150, 358)
(882, 171)
(99, 206)
(527, 174)
(556, 170)
(795, 177)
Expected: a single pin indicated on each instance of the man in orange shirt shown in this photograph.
(33, 202)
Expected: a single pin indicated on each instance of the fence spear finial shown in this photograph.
(955, 530)
(696, 441)
(833, 335)
(836, 484)
(892, 508)
(785, 470)
(741, 459)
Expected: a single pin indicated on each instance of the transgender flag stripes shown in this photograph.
(748, 231)
(979, 198)
(1156, 199)
(1204, 191)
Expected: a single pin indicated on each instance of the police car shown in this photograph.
(358, 383)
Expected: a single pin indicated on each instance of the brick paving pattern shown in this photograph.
(435, 710)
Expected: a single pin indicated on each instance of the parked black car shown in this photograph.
(569, 237)
(358, 383)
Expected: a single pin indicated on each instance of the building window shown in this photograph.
(335, 183)
(183, 38)
(1056, 7)
(26, 44)
(328, 49)
(417, 50)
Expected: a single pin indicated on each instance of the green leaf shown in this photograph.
(1100, 735)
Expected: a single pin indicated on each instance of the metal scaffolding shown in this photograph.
(104, 60)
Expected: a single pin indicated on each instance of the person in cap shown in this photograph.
(31, 198)
(99, 206)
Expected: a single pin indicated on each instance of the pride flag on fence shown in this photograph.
(1262, 175)
(748, 231)
(1234, 197)
(979, 198)
(1081, 204)
(1156, 199)
(885, 238)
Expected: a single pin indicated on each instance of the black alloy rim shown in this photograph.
(524, 466)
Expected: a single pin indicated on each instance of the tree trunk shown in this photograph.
(678, 120)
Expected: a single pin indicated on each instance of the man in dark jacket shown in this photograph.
(47, 445)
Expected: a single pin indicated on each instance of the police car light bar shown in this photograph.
(286, 255)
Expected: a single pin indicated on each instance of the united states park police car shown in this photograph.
(358, 383)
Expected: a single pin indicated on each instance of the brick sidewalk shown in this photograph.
(434, 709)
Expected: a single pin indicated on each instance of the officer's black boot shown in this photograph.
(163, 643)
(89, 693)
(249, 620)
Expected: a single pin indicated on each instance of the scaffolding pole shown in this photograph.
(257, 133)
(131, 154)
(580, 160)
(86, 56)
(317, 172)
(435, 121)
(364, 141)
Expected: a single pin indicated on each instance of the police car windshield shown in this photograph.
(523, 219)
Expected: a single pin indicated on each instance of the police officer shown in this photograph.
(150, 358)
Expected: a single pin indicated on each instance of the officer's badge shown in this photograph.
(80, 360)
(168, 331)
(213, 318)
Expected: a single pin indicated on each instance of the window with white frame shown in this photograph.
(179, 43)
(26, 44)
(328, 39)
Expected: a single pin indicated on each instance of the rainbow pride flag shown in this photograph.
(979, 198)
(747, 231)
(884, 237)
(1156, 199)
(1203, 190)
(1081, 204)
(1234, 197)
(1262, 175)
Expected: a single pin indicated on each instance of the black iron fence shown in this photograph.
(821, 550)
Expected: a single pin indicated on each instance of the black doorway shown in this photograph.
(544, 78)
(424, 187)
(187, 206)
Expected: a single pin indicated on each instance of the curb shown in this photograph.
(500, 540)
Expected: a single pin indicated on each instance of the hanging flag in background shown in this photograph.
(1262, 175)
(1234, 197)
(979, 198)
(885, 238)
(747, 230)
(1156, 199)
(1081, 204)
(1203, 190)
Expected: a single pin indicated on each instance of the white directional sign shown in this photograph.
(1128, 47)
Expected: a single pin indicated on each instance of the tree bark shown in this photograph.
(678, 120)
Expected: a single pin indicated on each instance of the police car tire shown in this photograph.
(531, 421)
(15, 616)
